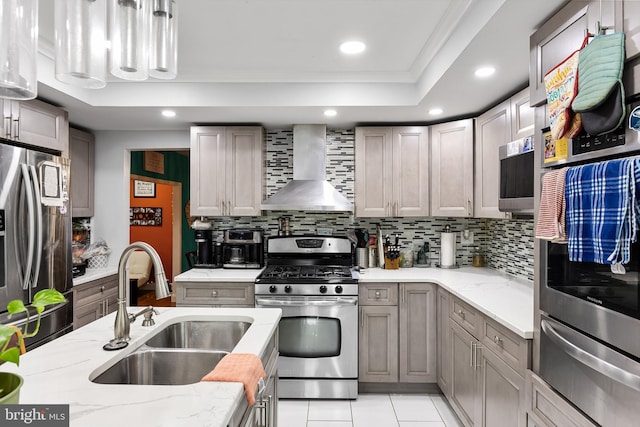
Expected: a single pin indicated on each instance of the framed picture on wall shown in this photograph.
(144, 188)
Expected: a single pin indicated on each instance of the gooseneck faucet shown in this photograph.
(121, 327)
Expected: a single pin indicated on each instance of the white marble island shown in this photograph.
(60, 371)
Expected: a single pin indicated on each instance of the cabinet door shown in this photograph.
(207, 170)
(41, 124)
(410, 171)
(452, 169)
(88, 313)
(417, 350)
(502, 393)
(493, 129)
(444, 342)
(373, 171)
(81, 151)
(378, 344)
(522, 116)
(244, 171)
(464, 376)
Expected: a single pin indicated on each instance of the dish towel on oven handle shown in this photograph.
(602, 211)
(551, 212)
(245, 368)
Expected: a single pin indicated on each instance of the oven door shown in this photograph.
(591, 298)
(318, 335)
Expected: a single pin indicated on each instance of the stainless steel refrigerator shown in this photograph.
(35, 235)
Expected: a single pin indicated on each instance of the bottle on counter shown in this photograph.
(477, 257)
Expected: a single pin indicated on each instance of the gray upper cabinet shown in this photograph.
(81, 152)
(226, 170)
(564, 33)
(36, 123)
(493, 129)
(511, 119)
(452, 169)
(392, 171)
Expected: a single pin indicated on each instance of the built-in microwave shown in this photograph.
(516, 176)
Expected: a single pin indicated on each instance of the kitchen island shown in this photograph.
(60, 372)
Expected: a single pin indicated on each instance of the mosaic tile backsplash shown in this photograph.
(508, 245)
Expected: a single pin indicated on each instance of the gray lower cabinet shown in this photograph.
(215, 294)
(397, 333)
(545, 407)
(487, 367)
(94, 299)
(443, 338)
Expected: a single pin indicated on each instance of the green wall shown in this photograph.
(176, 169)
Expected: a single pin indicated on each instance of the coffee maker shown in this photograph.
(204, 249)
(243, 248)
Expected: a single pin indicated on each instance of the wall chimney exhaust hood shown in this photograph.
(309, 190)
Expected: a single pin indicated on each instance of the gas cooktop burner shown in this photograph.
(306, 272)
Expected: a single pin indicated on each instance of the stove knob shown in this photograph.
(287, 289)
(273, 289)
(323, 289)
(338, 289)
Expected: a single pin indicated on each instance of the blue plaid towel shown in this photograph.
(602, 211)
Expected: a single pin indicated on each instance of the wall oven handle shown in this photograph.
(267, 302)
(604, 367)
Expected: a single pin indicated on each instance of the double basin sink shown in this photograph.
(181, 353)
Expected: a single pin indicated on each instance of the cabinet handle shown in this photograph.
(16, 123)
(377, 294)
(106, 307)
(461, 313)
(388, 211)
(101, 288)
(361, 317)
(471, 353)
(395, 208)
(497, 340)
(468, 207)
(214, 293)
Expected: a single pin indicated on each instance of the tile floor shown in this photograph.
(369, 410)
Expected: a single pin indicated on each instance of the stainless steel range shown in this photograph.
(311, 279)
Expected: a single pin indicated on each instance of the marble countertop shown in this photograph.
(59, 372)
(94, 274)
(219, 275)
(500, 296)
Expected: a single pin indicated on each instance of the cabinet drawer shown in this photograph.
(95, 290)
(511, 348)
(215, 294)
(465, 315)
(378, 294)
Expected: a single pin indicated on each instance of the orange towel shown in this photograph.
(244, 368)
(551, 212)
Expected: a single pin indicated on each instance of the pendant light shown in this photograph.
(163, 41)
(128, 32)
(18, 49)
(80, 37)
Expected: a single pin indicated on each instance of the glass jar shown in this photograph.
(477, 257)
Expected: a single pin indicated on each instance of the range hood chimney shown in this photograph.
(309, 190)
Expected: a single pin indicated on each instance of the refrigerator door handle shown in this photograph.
(39, 225)
(26, 273)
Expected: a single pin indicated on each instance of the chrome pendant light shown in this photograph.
(80, 37)
(129, 32)
(163, 41)
(18, 49)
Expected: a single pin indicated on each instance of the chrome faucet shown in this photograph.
(121, 327)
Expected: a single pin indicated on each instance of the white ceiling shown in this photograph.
(276, 62)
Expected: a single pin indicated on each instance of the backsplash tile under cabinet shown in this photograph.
(511, 248)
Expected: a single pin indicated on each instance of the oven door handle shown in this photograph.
(268, 302)
(574, 350)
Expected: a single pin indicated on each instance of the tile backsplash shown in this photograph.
(508, 245)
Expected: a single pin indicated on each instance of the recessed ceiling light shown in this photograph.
(435, 111)
(485, 71)
(330, 113)
(352, 47)
(168, 113)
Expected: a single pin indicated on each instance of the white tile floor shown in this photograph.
(369, 410)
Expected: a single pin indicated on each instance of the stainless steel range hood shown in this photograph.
(309, 190)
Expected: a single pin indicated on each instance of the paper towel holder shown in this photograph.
(447, 229)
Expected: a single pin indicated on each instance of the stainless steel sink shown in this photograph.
(196, 334)
(161, 367)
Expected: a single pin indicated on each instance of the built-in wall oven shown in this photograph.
(590, 320)
(310, 278)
